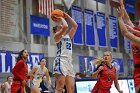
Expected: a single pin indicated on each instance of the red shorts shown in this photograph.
(97, 90)
(137, 76)
(16, 85)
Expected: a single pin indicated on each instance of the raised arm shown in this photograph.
(132, 29)
(73, 24)
(58, 34)
(124, 30)
(126, 17)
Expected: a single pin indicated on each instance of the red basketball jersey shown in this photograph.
(106, 77)
(136, 49)
(20, 71)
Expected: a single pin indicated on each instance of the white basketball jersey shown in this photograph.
(40, 73)
(64, 47)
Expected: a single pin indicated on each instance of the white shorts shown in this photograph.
(63, 66)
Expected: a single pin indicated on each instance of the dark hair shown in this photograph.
(20, 55)
(44, 58)
(8, 77)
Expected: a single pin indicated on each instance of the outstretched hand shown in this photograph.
(120, 11)
(49, 84)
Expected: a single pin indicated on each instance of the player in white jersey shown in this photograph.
(38, 72)
(63, 61)
(63, 68)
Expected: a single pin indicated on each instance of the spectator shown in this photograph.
(0, 87)
(7, 84)
(43, 85)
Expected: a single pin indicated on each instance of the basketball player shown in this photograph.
(106, 74)
(38, 72)
(134, 37)
(7, 84)
(20, 71)
(63, 68)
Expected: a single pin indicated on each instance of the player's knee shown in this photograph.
(60, 83)
(60, 86)
(59, 90)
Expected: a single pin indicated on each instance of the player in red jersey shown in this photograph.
(106, 74)
(20, 71)
(134, 36)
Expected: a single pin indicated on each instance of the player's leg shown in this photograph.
(95, 88)
(70, 81)
(137, 89)
(35, 89)
(137, 79)
(60, 82)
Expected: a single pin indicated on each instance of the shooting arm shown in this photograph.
(74, 25)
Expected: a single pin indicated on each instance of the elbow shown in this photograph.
(65, 26)
(75, 25)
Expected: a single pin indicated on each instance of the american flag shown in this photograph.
(46, 7)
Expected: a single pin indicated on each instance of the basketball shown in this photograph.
(56, 13)
(115, 3)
